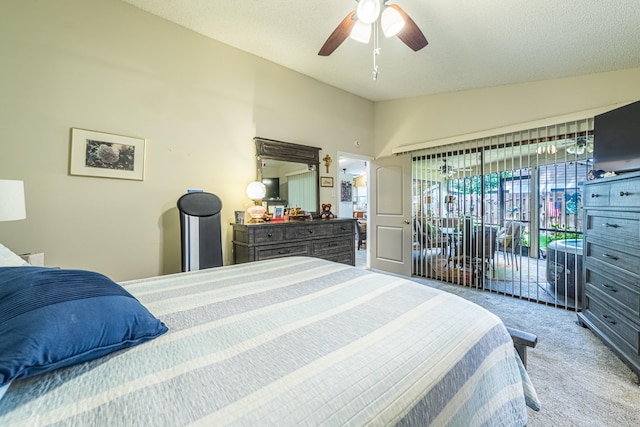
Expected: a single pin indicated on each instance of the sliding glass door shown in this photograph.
(504, 214)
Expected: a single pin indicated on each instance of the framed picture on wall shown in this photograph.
(326, 181)
(106, 155)
(345, 191)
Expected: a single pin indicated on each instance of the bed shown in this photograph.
(290, 341)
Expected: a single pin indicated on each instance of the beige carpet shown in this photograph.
(579, 381)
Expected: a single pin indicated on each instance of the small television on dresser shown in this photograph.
(616, 139)
(272, 186)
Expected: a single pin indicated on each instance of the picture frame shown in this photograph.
(326, 181)
(239, 216)
(278, 212)
(346, 194)
(106, 155)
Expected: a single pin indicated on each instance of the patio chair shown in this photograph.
(361, 233)
(426, 236)
(508, 241)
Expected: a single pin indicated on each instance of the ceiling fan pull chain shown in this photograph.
(376, 51)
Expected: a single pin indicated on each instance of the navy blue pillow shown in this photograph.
(51, 318)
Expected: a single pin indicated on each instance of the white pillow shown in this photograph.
(9, 259)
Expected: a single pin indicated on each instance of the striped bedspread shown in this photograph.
(292, 342)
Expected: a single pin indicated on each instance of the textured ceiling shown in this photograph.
(472, 44)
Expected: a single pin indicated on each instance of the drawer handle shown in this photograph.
(594, 195)
(613, 257)
(609, 319)
(269, 235)
(606, 224)
(624, 193)
(343, 228)
(284, 252)
(610, 288)
(310, 231)
(332, 245)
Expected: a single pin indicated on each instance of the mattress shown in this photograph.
(291, 342)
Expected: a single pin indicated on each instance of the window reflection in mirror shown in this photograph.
(290, 184)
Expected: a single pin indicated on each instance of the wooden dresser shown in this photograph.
(331, 239)
(611, 301)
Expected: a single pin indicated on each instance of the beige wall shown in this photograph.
(107, 66)
(407, 122)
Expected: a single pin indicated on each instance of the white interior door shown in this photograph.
(390, 214)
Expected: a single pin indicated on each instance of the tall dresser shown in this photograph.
(611, 301)
(331, 239)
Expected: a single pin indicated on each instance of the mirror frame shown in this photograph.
(289, 152)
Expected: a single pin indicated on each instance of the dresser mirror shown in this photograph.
(290, 174)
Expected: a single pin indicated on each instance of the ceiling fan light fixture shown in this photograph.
(361, 32)
(547, 149)
(391, 21)
(580, 146)
(368, 11)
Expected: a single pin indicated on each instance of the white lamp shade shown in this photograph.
(391, 21)
(361, 32)
(256, 190)
(368, 11)
(12, 205)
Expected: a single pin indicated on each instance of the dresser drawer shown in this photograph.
(309, 231)
(615, 290)
(267, 234)
(597, 195)
(331, 246)
(625, 194)
(624, 332)
(614, 226)
(279, 251)
(344, 227)
(624, 258)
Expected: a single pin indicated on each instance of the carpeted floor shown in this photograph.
(579, 381)
(500, 274)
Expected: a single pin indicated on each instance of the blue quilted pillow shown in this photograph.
(51, 318)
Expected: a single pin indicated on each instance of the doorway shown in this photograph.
(353, 199)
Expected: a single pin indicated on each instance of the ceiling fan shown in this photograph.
(358, 25)
(449, 171)
(581, 145)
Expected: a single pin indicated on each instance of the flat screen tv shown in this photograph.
(273, 188)
(616, 139)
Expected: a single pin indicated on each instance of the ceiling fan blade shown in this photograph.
(410, 34)
(339, 35)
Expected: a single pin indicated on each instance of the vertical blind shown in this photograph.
(504, 213)
(302, 187)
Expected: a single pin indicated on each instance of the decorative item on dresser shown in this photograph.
(328, 239)
(611, 301)
(256, 192)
